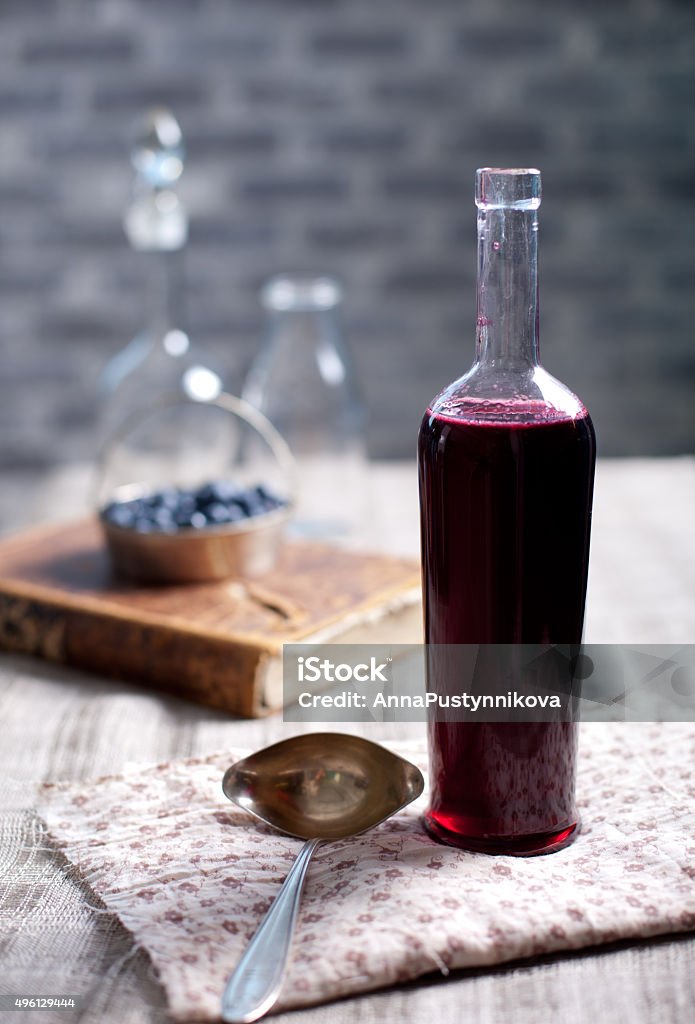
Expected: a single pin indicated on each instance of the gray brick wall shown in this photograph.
(344, 135)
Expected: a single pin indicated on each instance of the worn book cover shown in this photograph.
(218, 644)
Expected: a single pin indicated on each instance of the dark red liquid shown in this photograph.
(506, 509)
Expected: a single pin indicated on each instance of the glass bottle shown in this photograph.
(160, 362)
(506, 465)
(302, 379)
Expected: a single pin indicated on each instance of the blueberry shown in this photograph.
(198, 520)
(186, 505)
(268, 498)
(227, 490)
(267, 495)
(144, 525)
(255, 506)
(163, 518)
(242, 502)
(206, 495)
(168, 498)
(238, 507)
(180, 508)
(182, 518)
(217, 513)
(218, 492)
(124, 513)
(234, 513)
(119, 515)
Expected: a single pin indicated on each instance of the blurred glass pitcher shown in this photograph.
(303, 380)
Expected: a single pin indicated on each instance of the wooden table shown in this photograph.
(57, 724)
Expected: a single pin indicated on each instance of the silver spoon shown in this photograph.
(317, 787)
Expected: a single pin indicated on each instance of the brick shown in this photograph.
(426, 185)
(377, 325)
(356, 234)
(616, 5)
(222, 46)
(428, 279)
(650, 229)
(26, 370)
(588, 277)
(29, 190)
(292, 92)
(635, 318)
(357, 45)
(577, 185)
(85, 49)
(677, 367)
(133, 97)
(17, 281)
(170, 9)
(86, 234)
(38, 10)
(218, 142)
(662, 38)
(28, 460)
(460, 329)
(77, 415)
(213, 325)
(462, 232)
(279, 5)
(84, 326)
(216, 231)
(678, 184)
(681, 276)
(621, 137)
(673, 87)
(358, 139)
(504, 134)
(30, 98)
(299, 186)
(110, 142)
(500, 39)
(420, 91)
(574, 90)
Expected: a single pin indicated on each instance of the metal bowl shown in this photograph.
(248, 547)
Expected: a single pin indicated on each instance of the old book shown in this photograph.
(218, 644)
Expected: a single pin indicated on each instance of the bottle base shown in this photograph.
(534, 845)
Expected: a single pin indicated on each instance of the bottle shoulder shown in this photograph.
(506, 396)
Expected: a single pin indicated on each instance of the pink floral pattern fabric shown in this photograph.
(191, 876)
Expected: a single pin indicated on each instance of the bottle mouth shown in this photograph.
(301, 293)
(513, 188)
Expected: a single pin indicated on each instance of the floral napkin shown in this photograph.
(191, 876)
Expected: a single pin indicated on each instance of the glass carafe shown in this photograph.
(506, 465)
(302, 379)
(161, 362)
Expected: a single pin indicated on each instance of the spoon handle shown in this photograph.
(255, 983)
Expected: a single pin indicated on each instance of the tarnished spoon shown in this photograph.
(318, 786)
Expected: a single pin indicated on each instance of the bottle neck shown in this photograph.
(302, 310)
(507, 309)
(165, 295)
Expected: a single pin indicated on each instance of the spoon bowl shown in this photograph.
(318, 786)
(323, 785)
